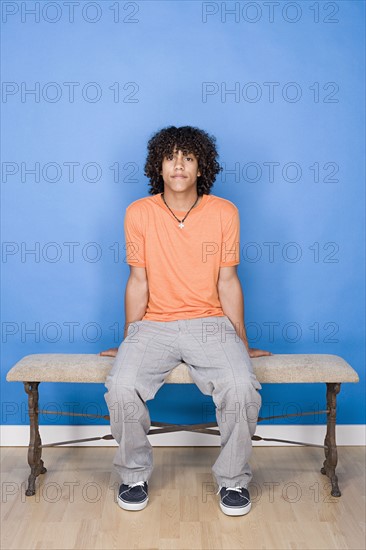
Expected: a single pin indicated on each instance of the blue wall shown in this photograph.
(292, 132)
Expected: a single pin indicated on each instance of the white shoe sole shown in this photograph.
(132, 507)
(235, 511)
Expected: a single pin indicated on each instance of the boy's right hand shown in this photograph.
(111, 352)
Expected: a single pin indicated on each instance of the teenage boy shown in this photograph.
(183, 303)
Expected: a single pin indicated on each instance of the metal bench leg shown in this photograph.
(34, 449)
(331, 456)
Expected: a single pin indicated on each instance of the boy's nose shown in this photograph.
(178, 161)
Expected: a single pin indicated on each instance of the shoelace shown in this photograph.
(142, 483)
(230, 489)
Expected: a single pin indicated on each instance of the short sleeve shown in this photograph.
(230, 246)
(134, 238)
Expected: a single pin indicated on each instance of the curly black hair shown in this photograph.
(188, 140)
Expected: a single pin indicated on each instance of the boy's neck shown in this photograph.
(181, 201)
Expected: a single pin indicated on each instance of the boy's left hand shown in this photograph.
(254, 352)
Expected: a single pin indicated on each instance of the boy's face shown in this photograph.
(180, 171)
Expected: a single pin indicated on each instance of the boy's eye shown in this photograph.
(170, 157)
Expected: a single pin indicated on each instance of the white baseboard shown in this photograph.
(346, 434)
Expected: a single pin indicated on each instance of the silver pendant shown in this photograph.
(181, 225)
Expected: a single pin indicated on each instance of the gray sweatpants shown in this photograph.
(220, 366)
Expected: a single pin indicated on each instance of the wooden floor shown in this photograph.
(75, 504)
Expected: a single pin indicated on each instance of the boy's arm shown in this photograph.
(232, 303)
(136, 298)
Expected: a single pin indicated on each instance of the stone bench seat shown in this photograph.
(273, 369)
(91, 368)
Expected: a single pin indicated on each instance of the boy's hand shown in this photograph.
(111, 352)
(254, 352)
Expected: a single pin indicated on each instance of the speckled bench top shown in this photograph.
(273, 369)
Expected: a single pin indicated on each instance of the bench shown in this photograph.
(275, 369)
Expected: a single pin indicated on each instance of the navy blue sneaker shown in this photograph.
(133, 497)
(234, 501)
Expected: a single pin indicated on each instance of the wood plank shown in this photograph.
(75, 505)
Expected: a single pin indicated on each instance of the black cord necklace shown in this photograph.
(181, 224)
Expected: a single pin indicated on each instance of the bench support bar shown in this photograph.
(331, 456)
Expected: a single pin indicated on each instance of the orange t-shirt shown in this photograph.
(182, 265)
